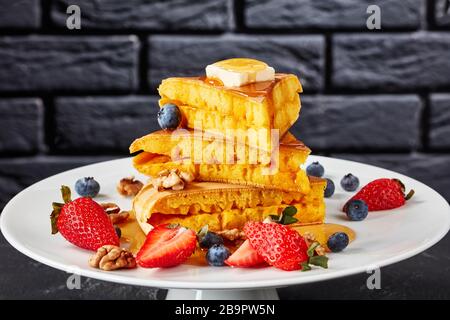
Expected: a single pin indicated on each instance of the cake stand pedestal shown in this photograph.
(260, 294)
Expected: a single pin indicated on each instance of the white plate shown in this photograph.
(383, 238)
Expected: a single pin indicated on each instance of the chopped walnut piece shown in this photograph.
(310, 238)
(111, 257)
(164, 173)
(119, 217)
(129, 186)
(186, 176)
(320, 250)
(173, 179)
(232, 234)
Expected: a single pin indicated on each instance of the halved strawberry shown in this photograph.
(244, 257)
(277, 244)
(167, 246)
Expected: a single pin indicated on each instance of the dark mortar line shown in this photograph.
(238, 13)
(328, 67)
(49, 122)
(57, 157)
(66, 93)
(362, 150)
(152, 92)
(15, 156)
(322, 31)
(59, 31)
(56, 152)
(143, 66)
(333, 90)
(424, 123)
(46, 20)
(428, 18)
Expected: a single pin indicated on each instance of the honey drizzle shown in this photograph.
(135, 237)
(261, 89)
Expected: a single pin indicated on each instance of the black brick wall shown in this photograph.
(71, 97)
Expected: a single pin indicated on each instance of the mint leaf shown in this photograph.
(312, 248)
(275, 218)
(290, 211)
(320, 261)
(288, 220)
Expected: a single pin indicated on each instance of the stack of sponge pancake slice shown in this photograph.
(235, 142)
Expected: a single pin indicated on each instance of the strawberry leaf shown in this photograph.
(173, 225)
(66, 194)
(54, 216)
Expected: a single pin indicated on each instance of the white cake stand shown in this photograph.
(382, 239)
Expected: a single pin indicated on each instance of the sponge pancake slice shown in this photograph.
(224, 206)
(262, 105)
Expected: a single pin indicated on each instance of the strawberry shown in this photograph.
(383, 194)
(245, 256)
(167, 246)
(277, 244)
(82, 222)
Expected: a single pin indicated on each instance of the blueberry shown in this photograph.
(210, 239)
(87, 187)
(169, 116)
(329, 190)
(349, 182)
(217, 254)
(338, 241)
(356, 210)
(315, 169)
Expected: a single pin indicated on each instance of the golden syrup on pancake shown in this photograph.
(132, 234)
(323, 231)
(213, 81)
(254, 90)
(134, 237)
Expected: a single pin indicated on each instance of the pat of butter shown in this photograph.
(240, 71)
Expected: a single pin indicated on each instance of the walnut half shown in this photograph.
(129, 187)
(111, 257)
(114, 213)
(120, 217)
